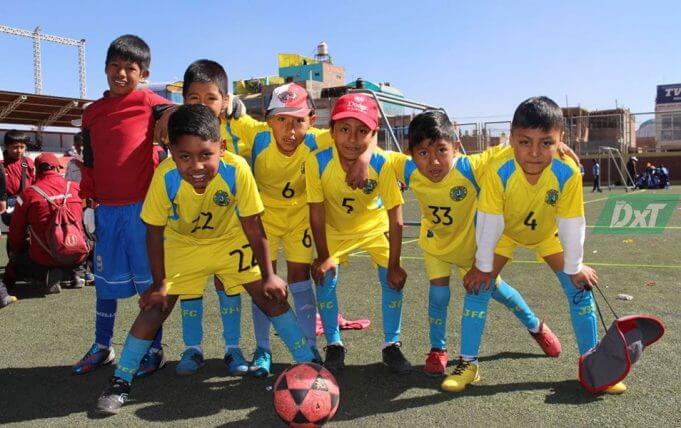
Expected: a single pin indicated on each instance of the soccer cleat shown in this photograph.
(261, 364)
(335, 358)
(113, 397)
(95, 358)
(152, 361)
(236, 363)
(89, 279)
(395, 360)
(547, 340)
(463, 374)
(77, 282)
(616, 389)
(11, 299)
(52, 280)
(317, 358)
(436, 363)
(191, 361)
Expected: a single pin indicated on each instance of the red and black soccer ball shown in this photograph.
(306, 395)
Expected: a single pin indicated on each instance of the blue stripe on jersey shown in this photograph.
(235, 139)
(463, 165)
(505, 171)
(323, 159)
(172, 181)
(562, 172)
(310, 141)
(260, 143)
(379, 202)
(409, 168)
(377, 161)
(228, 174)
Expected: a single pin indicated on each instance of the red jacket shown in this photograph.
(33, 210)
(13, 175)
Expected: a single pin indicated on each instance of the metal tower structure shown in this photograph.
(37, 37)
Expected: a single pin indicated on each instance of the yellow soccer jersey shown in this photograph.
(530, 211)
(212, 215)
(448, 207)
(352, 213)
(231, 131)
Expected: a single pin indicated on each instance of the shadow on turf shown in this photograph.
(52, 392)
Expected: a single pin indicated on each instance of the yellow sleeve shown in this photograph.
(571, 201)
(323, 137)
(491, 200)
(313, 182)
(248, 199)
(388, 189)
(157, 207)
(480, 162)
(397, 162)
(245, 128)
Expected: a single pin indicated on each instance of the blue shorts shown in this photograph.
(121, 264)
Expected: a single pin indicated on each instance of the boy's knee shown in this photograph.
(272, 308)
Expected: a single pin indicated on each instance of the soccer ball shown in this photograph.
(306, 395)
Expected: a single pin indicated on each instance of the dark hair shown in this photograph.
(14, 136)
(206, 71)
(130, 48)
(538, 113)
(193, 119)
(431, 125)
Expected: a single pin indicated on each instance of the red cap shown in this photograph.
(46, 159)
(290, 99)
(357, 106)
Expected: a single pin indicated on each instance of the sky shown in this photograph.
(478, 60)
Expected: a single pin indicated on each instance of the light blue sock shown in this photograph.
(327, 302)
(306, 309)
(133, 352)
(582, 313)
(511, 298)
(391, 308)
(156, 345)
(192, 321)
(230, 312)
(438, 301)
(473, 320)
(261, 326)
(287, 327)
(105, 317)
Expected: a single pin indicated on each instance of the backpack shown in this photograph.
(64, 238)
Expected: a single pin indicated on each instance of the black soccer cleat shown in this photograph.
(335, 358)
(395, 360)
(113, 397)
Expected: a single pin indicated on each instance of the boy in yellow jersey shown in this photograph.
(345, 220)
(278, 150)
(205, 82)
(533, 199)
(202, 213)
(446, 185)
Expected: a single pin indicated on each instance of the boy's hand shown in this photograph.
(89, 222)
(397, 277)
(565, 150)
(156, 295)
(3, 206)
(161, 127)
(274, 288)
(357, 175)
(476, 280)
(585, 278)
(320, 267)
(235, 107)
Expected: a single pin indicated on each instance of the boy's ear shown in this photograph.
(313, 120)
(223, 146)
(144, 76)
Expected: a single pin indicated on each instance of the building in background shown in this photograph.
(668, 117)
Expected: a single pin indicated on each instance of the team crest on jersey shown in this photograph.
(221, 198)
(551, 197)
(369, 186)
(458, 193)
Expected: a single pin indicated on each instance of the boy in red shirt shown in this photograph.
(117, 168)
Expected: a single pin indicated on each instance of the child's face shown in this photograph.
(197, 159)
(123, 76)
(434, 159)
(290, 131)
(535, 148)
(352, 137)
(206, 93)
(15, 150)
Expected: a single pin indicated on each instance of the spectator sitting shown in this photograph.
(19, 170)
(32, 214)
(664, 176)
(76, 162)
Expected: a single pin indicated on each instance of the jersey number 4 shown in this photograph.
(530, 221)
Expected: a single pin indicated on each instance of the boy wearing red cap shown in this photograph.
(344, 220)
(31, 217)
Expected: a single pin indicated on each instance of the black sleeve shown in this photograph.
(158, 110)
(3, 185)
(88, 157)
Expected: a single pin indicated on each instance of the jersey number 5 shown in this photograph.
(347, 206)
(530, 221)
